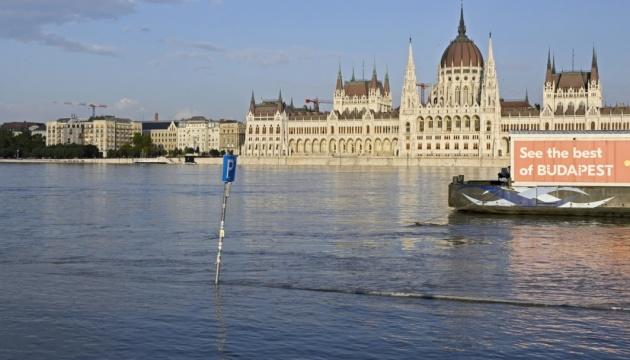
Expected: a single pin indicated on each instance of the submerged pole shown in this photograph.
(226, 195)
(229, 173)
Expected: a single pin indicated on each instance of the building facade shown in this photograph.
(162, 133)
(105, 132)
(231, 136)
(463, 114)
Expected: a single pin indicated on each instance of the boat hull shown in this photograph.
(501, 198)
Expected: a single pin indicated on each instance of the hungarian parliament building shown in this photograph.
(462, 116)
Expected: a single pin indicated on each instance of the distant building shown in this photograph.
(162, 133)
(232, 136)
(462, 114)
(20, 127)
(196, 133)
(105, 132)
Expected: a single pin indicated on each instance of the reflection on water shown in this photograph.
(116, 261)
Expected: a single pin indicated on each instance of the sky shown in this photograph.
(181, 58)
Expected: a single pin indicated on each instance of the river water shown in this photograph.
(319, 263)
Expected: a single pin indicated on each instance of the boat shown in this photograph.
(554, 173)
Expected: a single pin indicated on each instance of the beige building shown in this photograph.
(231, 136)
(105, 132)
(462, 116)
(162, 133)
(194, 133)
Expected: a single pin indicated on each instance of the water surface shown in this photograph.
(117, 262)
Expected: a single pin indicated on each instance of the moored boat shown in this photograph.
(555, 173)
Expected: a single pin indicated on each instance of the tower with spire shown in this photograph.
(409, 99)
(490, 86)
(362, 96)
(574, 92)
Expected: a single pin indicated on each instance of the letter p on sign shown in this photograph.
(229, 168)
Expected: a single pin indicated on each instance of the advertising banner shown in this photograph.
(569, 161)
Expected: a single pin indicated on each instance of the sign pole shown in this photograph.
(228, 176)
(226, 195)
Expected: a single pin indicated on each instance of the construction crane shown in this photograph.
(317, 101)
(90, 105)
(423, 87)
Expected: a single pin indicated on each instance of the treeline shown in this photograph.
(141, 146)
(26, 145)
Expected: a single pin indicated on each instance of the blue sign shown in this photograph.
(229, 168)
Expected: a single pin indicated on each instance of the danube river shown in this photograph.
(319, 263)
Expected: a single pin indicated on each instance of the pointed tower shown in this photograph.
(386, 83)
(526, 97)
(252, 104)
(461, 29)
(549, 72)
(490, 86)
(374, 80)
(409, 99)
(594, 67)
(339, 86)
(353, 78)
(280, 103)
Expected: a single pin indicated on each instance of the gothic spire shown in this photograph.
(374, 81)
(386, 82)
(550, 71)
(594, 67)
(526, 97)
(462, 26)
(553, 64)
(339, 80)
(353, 78)
(409, 97)
(252, 103)
(490, 87)
(280, 104)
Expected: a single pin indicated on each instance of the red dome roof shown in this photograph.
(462, 50)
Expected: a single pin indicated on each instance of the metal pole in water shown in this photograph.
(226, 195)
(229, 173)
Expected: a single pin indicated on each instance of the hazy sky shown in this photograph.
(204, 57)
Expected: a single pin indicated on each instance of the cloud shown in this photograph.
(28, 20)
(185, 114)
(258, 56)
(126, 104)
(201, 45)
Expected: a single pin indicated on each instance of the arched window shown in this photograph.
(465, 95)
(488, 125)
(278, 129)
(407, 128)
(257, 130)
(458, 96)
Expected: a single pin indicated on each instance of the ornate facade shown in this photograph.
(463, 115)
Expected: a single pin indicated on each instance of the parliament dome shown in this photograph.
(461, 51)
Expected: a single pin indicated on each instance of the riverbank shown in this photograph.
(288, 161)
